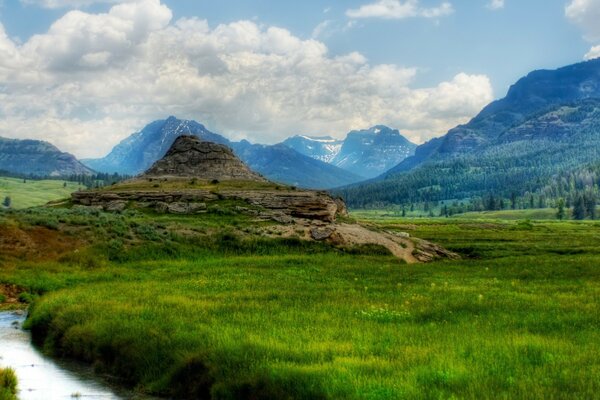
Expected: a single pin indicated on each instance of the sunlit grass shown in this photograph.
(518, 317)
(31, 193)
(8, 384)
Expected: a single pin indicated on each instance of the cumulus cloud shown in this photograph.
(593, 53)
(586, 15)
(496, 5)
(92, 79)
(69, 3)
(397, 9)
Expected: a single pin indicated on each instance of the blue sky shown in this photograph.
(371, 62)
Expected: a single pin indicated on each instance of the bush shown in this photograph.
(8, 384)
(26, 298)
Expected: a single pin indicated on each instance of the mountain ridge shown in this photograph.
(367, 152)
(136, 153)
(548, 122)
(38, 158)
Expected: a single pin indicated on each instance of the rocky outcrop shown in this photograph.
(274, 204)
(191, 157)
(399, 244)
(212, 163)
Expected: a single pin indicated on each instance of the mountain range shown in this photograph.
(277, 162)
(548, 123)
(38, 158)
(368, 152)
(547, 126)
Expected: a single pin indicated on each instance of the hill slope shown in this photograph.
(549, 122)
(38, 158)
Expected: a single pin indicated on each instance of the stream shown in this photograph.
(43, 378)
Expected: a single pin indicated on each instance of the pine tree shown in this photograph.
(560, 214)
(7, 202)
(579, 208)
(590, 205)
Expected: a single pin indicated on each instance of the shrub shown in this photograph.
(26, 298)
(8, 384)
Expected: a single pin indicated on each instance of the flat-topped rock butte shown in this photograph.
(194, 174)
(191, 157)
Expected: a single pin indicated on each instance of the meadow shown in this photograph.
(208, 307)
(31, 193)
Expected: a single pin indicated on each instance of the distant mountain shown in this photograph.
(283, 164)
(367, 153)
(139, 151)
(38, 158)
(322, 148)
(549, 122)
(371, 152)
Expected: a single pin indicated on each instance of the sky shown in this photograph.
(85, 74)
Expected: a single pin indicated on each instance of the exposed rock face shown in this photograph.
(293, 203)
(191, 157)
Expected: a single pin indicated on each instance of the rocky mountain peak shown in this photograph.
(189, 156)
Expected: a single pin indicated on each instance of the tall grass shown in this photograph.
(227, 317)
(8, 384)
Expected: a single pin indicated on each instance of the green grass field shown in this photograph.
(34, 193)
(216, 315)
(532, 214)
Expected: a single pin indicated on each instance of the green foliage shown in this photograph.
(8, 384)
(579, 208)
(26, 298)
(560, 213)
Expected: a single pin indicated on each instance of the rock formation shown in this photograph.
(196, 177)
(191, 157)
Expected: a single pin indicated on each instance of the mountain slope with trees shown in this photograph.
(548, 124)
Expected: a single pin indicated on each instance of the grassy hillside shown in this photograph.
(33, 193)
(183, 307)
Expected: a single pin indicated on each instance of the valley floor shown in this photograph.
(183, 307)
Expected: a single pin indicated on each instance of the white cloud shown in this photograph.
(92, 79)
(321, 28)
(69, 3)
(496, 5)
(397, 9)
(593, 53)
(586, 15)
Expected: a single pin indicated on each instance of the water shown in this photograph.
(42, 378)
